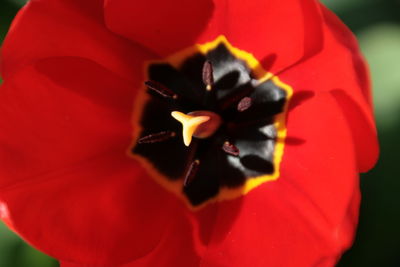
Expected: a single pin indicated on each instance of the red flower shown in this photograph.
(72, 70)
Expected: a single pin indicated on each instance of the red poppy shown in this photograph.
(73, 71)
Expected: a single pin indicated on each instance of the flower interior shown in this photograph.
(212, 125)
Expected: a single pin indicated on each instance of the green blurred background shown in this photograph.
(377, 26)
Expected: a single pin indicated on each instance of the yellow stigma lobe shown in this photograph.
(190, 124)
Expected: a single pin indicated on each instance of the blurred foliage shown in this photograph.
(15, 253)
(377, 26)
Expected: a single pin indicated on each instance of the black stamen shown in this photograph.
(244, 104)
(160, 89)
(208, 77)
(191, 172)
(156, 137)
(230, 149)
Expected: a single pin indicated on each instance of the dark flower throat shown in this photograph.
(241, 146)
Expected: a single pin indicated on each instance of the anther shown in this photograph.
(156, 137)
(191, 172)
(244, 104)
(230, 149)
(235, 98)
(208, 76)
(160, 89)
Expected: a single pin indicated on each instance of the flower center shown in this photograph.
(229, 116)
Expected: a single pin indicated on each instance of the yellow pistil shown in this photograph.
(190, 124)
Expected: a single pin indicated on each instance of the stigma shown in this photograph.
(199, 124)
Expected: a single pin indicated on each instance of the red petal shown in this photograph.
(278, 33)
(162, 26)
(282, 32)
(343, 37)
(45, 29)
(101, 211)
(60, 116)
(308, 216)
(341, 70)
(69, 187)
(176, 248)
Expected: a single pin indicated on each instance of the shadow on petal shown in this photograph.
(147, 22)
(299, 98)
(362, 129)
